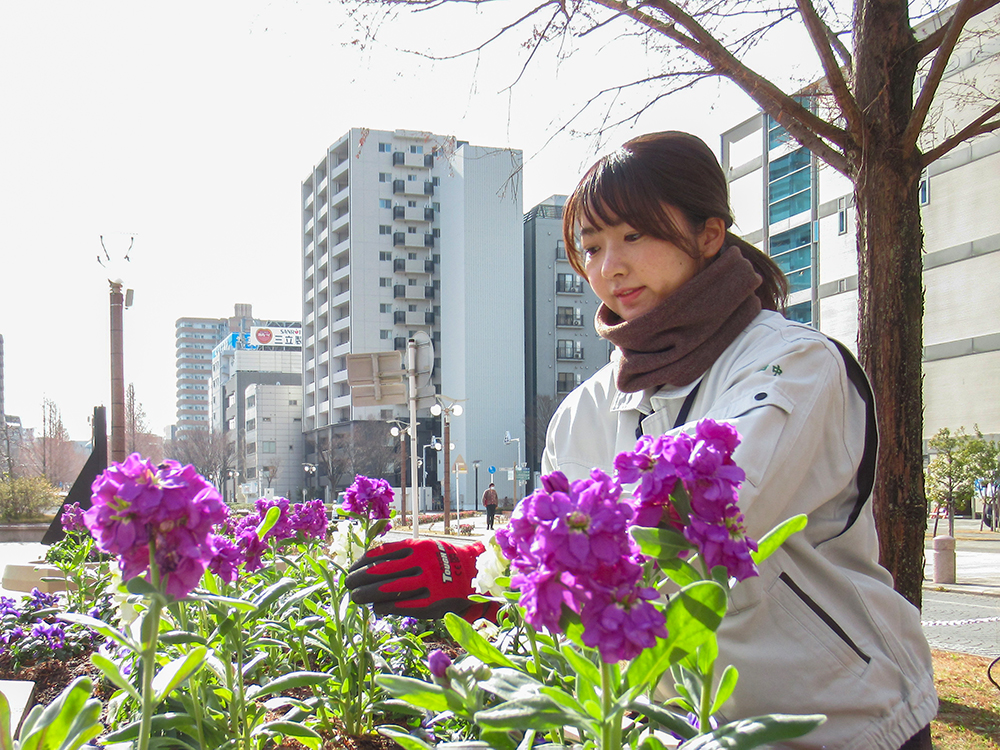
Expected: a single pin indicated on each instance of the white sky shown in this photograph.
(192, 124)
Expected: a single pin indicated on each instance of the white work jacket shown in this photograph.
(821, 630)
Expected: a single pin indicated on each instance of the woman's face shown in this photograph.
(633, 273)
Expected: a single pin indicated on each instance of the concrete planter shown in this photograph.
(25, 577)
(23, 532)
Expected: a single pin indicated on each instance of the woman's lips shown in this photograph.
(628, 296)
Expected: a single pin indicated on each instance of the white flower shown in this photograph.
(485, 628)
(346, 546)
(489, 566)
(120, 598)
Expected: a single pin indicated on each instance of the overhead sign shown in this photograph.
(288, 338)
(376, 378)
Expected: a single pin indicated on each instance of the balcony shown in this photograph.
(407, 318)
(569, 353)
(405, 159)
(569, 287)
(412, 239)
(409, 291)
(413, 213)
(569, 321)
(399, 265)
(412, 187)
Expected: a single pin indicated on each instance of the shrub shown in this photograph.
(23, 498)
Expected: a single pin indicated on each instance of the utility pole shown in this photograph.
(117, 373)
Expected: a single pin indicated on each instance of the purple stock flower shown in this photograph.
(438, 662)
(282, 529)
(725, 544)
(8, 606)
(72, 518)
(227, 560)
(370, 498)
(310, 519)
(168, 509)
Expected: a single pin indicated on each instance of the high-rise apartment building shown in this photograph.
(561, 347)
(195, 339)
(406, 231)
(787, 202)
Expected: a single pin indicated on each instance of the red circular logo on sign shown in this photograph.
(264, 335)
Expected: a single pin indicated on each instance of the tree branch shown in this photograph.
(980, 126)
(953, 29)
(811, 131)
(933, 40)
(819, 34)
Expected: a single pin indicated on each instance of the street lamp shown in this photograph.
(475, 465)
(445, 408)
(234, 475)
(507, 440)
(310, 471)
(400, 430)
(435, 443)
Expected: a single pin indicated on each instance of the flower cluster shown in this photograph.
(72, 519)
(308, 519)
(369, 498)
(569, 549)
(167, 512)
(703, 465)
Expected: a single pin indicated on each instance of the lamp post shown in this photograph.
(310, 471)
(446, 407)
(507, 440)
(234, 475)
(400, 429)
(475, 465)
(435, 443)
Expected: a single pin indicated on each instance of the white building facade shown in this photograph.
(406, 232)
(801, 211)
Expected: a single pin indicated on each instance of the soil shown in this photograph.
(968, 719)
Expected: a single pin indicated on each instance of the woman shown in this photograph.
(692, 311)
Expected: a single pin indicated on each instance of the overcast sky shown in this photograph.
(190, 126)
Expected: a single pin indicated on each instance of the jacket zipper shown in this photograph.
(822, 614)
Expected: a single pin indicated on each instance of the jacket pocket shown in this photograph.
(755, 455)
(818, 624)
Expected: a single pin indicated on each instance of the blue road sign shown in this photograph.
(493, 470)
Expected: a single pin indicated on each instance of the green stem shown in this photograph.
(151, 624)
(611, 720)
(704, 711)
(195, 682)
(536, 657)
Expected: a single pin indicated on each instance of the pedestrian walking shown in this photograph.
(490, 503)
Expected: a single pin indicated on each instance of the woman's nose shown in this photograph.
(613, 262)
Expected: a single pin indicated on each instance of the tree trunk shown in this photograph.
(890, 282)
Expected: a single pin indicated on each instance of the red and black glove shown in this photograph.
(423, 578)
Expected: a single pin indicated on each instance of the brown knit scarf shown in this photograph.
(678, 341)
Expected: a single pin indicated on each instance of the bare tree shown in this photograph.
(138, 438)
(366, 449)
(863, 120)
(209, 452)
(52, 454)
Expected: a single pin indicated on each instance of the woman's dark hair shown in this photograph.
(631, 184)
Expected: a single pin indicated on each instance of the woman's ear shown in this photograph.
(712, 237)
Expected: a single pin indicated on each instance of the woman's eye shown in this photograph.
(633, 236)
(588, 251)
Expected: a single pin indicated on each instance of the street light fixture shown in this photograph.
(400, 430)
(507, 440)
(445, 408)
(475, 465)
(310, 470)
(435, 443)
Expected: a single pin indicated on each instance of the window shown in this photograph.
(411, 204)
(560, 250)
(385, 307)
(412, 308)
(411, 178)
(251, 447)
(384, 229)
(569, 316)
(435, 181)
(436, 207)
(268, 446)
(384, 282)
(384, 203)
(265, 419)
(293, 402)
(569, 283)
(569, 349)
(385, 148)
(416, 149)
(792, 252)
(251, 424)
(411, 282)
(251, 400)
(231, 424)
(384, 335)
(800, 313)
(925, 188)
(842, 215)
(384, 177)
(436, 232)
(411, 256)
(384, 255)
(411, 230)
(566, 381)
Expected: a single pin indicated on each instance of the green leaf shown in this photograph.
(170, 743)
(568, 702)
(662, 544)
(271, 594)
(287, 682)
(267, 523)
(583, 666)
(676, 723)
(474, 643)
(679, 571)
(773, 539)
(727, 683)
(755, 732)
(405, 740)
(177, 637)
(423, 694)
(225, 601)
(509, 684)
(170, 677)
(142, 587)
(536, 711)
(308, 737)
(159, 723)
(103, 628)
(110, 670)
(6, 741)
(50, 725)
